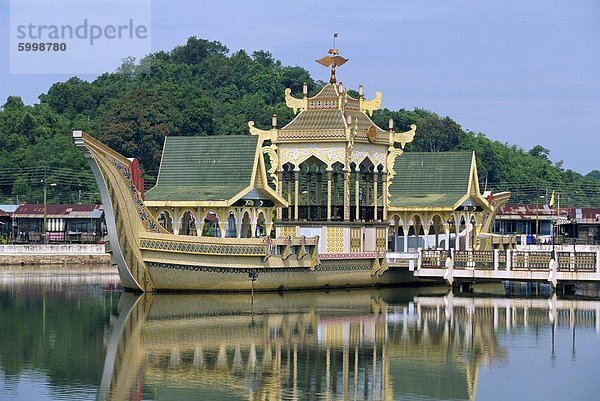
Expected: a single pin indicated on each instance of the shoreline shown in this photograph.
(53, 254)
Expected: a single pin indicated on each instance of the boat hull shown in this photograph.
(330, 274)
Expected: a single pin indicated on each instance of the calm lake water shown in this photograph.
(78, 338)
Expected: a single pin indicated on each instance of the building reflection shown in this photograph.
(341, 345)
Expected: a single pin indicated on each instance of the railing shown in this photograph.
(312, 213)
(563, 260)
(522, 260)
(502, 261)
(512, 260)
(585, 261)
(434, 258)
(319, 213)
(483, 259)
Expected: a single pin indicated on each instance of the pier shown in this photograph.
(562, 266)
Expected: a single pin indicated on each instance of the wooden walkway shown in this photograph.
(567, 267)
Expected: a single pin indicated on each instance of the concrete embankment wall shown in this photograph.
(63, 254)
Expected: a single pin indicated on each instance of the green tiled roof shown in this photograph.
(436, 179)
(208, 168)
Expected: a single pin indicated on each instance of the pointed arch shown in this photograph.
(188, 223)
(165, 219)
(210, 226)
(246, 229)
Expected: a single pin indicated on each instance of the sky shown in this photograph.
(521, 72)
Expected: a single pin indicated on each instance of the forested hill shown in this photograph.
(201, 88)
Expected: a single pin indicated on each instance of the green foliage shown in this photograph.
(200, 88)
(61, 336)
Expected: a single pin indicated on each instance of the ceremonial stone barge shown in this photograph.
(324, 201)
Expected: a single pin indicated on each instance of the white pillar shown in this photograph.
(199, 221)
(176, 221)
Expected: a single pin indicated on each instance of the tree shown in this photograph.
(137, 125)
(435, 134)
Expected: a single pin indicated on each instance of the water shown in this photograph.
(75, 337)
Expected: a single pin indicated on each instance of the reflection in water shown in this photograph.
(67, 339)
(341, 345)
(51, 333)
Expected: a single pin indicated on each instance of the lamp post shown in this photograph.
(474, 225)
(553, 254)
(450, 224)
(574, 224)
(46, 185)
(537, 216)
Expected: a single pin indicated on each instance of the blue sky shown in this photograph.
(522, 72)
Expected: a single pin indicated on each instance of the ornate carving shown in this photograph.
(323, 104)
(376, 153)
(335, 240)
(277, 270)
(405, 137)
(271, 151)
(302, 135)
(287, 231)
(372, 104)
(391, 158)
(148, 220)
(211, 249)
(270, 135)
(327, 153)
(293, 103)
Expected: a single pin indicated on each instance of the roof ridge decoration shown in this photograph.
(333, 60)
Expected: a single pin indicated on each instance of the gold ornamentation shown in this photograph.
(391, 158)
(335, 240)
(327, 153)
(302, 135)
(209, 249)
(270, 135)
(302, 249)
(271, 151)
(355, 234)
(375, 266)
(384, 266)
(371, 133)
(405, 137)
(323, 104)
(287, 231)
(376, 153)
(314, 257)
(370, 105)
(293, 103)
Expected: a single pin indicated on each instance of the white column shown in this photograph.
(468, 232)
(199, 221)
(405, 228)
(457, 237)
(239, 223)
(176, 221)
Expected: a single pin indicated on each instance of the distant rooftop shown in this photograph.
(33, 211)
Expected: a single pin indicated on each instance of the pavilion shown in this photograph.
(330, 172)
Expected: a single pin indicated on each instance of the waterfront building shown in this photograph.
(7, 229)
(533, 223)
(330, 172)
(64, 222)
(325, 200)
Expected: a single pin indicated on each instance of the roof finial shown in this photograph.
(333, 61)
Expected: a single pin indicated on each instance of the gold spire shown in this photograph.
(333, 61)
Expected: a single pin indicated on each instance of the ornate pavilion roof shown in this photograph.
(214, 168)
(207, 168)
(325, 117)
(432, 179)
